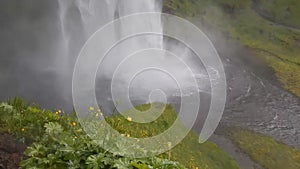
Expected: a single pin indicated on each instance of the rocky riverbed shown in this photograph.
(256, 100)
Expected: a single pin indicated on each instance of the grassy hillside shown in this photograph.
(266, 151)
(272, 39)
(189, 152)
(286, 12)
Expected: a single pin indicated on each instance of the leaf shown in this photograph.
(27, 163)
(140, 165)
(73, 164)
(6, 107)
(35, 150)
(122, 163)
(53, 127)
(95, 161)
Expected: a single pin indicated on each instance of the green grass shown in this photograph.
(283, 11)
(255, 32)
(266, 151)
(185, 8)
(189, 152)
(288, 73)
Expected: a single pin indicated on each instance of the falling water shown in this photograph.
(93, 14)
(79, 19)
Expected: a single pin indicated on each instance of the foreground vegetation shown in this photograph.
(56, 140)
(266, 151)
(189, 152)
(270, 29)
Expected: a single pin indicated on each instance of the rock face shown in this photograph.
(11, 151)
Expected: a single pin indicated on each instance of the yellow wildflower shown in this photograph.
(59, 111)
(128, 135)
(92, 108)
(56, 113)
(79, 130)
(74, 123)
(22, 129)
(129, 119)
(169, 145)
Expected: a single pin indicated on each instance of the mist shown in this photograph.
(44, 40)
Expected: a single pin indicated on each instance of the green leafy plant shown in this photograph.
(62, 148)
(57, 140)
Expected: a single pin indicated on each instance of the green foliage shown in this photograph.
(156, 127)
(24, 120)
(61, 148)
(59, 141)
(188, 152)
(18, 103)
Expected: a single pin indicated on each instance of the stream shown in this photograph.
(255, 98)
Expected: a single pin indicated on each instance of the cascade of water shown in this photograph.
(95, 13)
(91, 15)
(87, 16)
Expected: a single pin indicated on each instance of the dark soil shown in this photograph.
(11, 151)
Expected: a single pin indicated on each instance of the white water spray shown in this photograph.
(80, 19)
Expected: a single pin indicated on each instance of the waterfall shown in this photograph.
(93, 14)
(79, 19)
